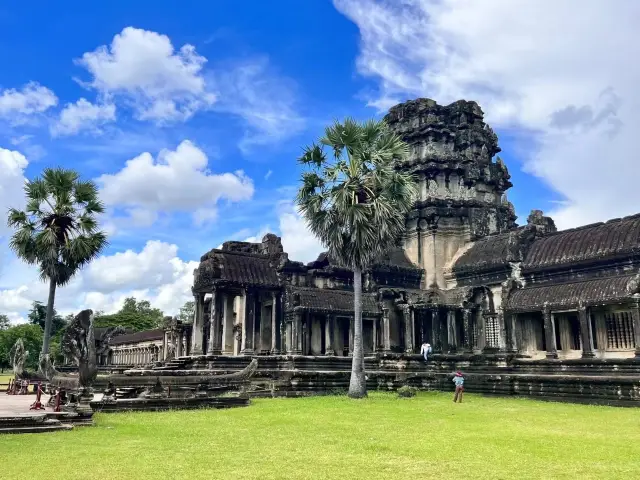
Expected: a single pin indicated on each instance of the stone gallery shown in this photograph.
(486, 293)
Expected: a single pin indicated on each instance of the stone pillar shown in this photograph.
(164, 345)
(248, 323)
(407, 317)
(435, 329)
(466, 325)
(198, 324)
(290, 334)
(502, 334)
(275, 330)
(184, 344)
(452, 341)
(376, 344)
(510, 328)
(296, 333)
(329, 334)
(586, 335)
(635, 315)
(215, 325)
(386, 332)
(481, 341)
(549, 332)
(227, 323)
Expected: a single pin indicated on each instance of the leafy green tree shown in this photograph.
(134, 315)
(4, 322)
(58, 230)
(38, 316)
(355, 200)
(31, 336)
(187, 311)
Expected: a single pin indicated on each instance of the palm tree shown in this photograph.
(355, 201)
(58, 230)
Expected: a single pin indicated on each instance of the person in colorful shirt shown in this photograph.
(458, 380)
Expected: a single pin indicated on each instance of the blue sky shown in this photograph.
(254, 82)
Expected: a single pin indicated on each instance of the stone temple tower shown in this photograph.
(462, 189)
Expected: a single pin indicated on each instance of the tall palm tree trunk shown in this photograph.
(49, 318)
(358, 383)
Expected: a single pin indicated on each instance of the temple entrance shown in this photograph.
(530, 336)
(367, 336)
(423, 328)
(342, 336)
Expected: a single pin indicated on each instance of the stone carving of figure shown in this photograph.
(18, 357)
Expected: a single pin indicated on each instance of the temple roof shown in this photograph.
(245, 269)
(597, 291)
(600, 241)
(144, 336)
(487, 253)
(328, 300)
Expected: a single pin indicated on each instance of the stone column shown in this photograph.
(407, 317)
(481, 341)
(386, 332)
(184, 344)
(248, 323)
(435, 329)
(198, 324)
(215, 325)
(164, 345)
(289, 333)
(329, 333)
(376, 344)
(502, 334)
(452, 342)
(466, 325)
(586, 335)
(549, 332)
(510, 327)
(635, 315)
(227, 323)
(296, 334)
(275, 316)
(283, 332)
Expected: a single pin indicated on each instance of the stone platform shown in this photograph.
(15, 416)
(593, 381)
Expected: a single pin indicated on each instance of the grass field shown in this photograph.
(5, 377)
(333, 437)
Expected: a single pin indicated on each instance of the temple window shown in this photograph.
(492, 331)
(619, 327)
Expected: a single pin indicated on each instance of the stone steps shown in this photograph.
(32, 424)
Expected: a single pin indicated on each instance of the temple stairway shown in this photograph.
(32, 423)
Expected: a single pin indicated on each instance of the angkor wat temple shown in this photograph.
(523, 309)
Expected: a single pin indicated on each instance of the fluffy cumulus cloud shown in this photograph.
(143, 68)
(176, 181)
(557, 73)
(12, 165)
(155, 273)
(264, 100)
(297, 240)
(31, 99)
(83, 115)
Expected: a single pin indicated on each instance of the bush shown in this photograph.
(406, 391)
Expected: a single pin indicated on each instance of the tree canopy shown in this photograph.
(4, 322)
(58, 230)
(187, 311)
(355, 200)
(38, 316)
(136, 315)
(31, 336)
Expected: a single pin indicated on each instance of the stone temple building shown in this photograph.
(466, 279)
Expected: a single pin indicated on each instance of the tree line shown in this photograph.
(135, 316)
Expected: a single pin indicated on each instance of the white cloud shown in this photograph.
(264, 100)
(156, 273)
(558, 71)
(83, 115)
(12, 166)
(142, 66)
(32, 99)
(297, 240)
(177, 181)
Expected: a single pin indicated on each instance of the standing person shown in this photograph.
(425, 350)
(458, 380)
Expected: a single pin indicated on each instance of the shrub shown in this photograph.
(406, 391)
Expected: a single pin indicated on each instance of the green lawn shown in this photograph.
(5, 377)
(336, 438)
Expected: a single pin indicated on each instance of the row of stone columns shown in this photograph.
(222, 322)
(586, 333)
(134, 355)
